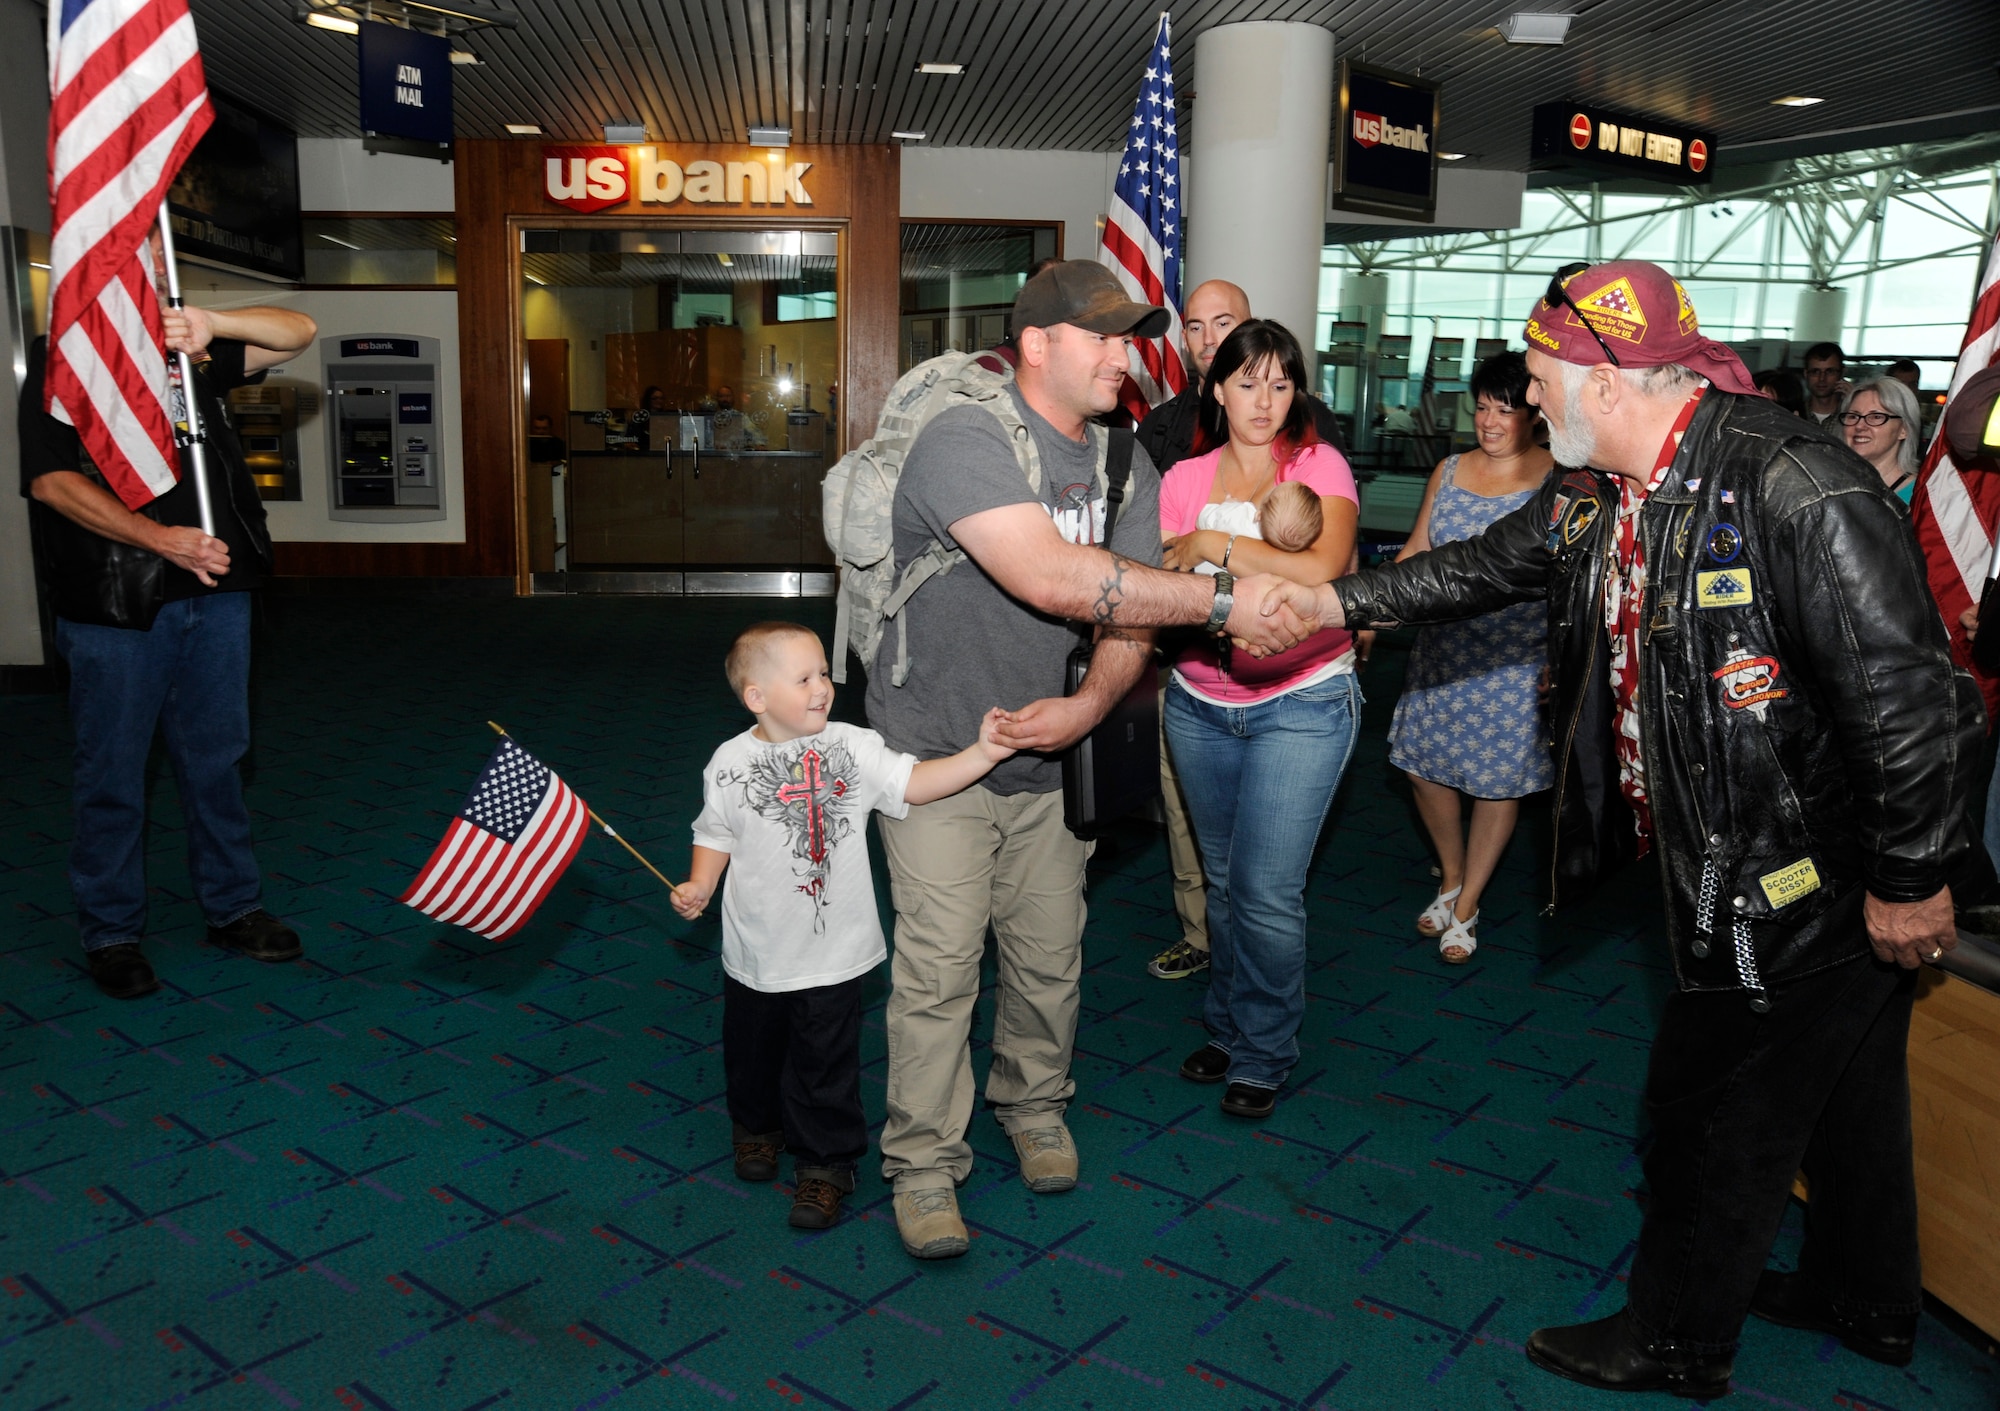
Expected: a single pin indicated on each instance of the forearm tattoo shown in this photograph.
(1111, 592)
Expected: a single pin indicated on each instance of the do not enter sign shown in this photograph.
(1697, 155)
(1579, 133)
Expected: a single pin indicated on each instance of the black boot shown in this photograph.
(122, 971)
(1613, 1355)
(260, 935)
(1791, 1302)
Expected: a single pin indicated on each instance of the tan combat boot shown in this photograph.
(927, 1219)
(1048, 1158)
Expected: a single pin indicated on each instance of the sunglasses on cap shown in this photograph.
(1558, 295)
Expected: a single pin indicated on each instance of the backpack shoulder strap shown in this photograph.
(1117, 475)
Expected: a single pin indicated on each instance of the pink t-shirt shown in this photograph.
(1183, 492)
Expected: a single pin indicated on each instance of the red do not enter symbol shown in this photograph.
(1697, 155)
(1579, 132)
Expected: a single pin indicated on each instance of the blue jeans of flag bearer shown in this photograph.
(187, 680)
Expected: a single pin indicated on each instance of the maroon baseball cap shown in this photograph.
(1642, 315)
(1085, 293)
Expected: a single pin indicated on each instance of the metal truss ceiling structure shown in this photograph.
(1061, 73)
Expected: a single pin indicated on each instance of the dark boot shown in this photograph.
(1613, 1355)
(122, 972)
(757, 1155)
(260, 935)
(1790, 1301)
(816, 1200)
(1207, 1064)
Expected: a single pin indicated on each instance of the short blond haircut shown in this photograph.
(1291, 518)
(752, 650)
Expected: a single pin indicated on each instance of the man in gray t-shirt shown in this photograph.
(995, 631)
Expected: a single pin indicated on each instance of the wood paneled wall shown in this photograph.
(499, 189)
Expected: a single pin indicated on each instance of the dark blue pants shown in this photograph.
(1739, 1102)
(188, 679)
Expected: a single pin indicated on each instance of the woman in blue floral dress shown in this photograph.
(1470, 720)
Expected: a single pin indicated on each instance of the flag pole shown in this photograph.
(192, 434)
(609, 831)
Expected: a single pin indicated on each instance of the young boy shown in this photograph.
(787, 803)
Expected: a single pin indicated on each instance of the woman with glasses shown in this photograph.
(1881, 422)
(1469, 724)
(1260, 745)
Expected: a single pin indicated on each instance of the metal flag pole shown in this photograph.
(190, 434)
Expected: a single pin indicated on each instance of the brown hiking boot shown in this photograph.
(816, 1204)
(757, 1158)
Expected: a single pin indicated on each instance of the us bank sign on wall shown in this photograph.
(592, 178)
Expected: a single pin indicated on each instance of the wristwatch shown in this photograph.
(1225, 601)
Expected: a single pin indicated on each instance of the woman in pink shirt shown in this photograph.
(1260, 746)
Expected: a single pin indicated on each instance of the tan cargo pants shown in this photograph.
(957, 866)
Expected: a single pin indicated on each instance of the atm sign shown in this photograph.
(587, 179)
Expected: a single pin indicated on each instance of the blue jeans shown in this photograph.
(189, 678)
(1258, 781)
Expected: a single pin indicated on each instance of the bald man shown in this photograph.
(1211, 312)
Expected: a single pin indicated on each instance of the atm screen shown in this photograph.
(365, 443)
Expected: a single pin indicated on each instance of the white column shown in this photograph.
(1257, 193)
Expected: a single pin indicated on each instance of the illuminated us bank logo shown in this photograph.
(588, 178)
(1372, 129)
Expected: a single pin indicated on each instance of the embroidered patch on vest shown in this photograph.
(1577, 522)
(1723, 588)
(1725, 543)
(1788, 884)
(1749, 682)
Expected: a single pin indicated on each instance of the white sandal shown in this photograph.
(1458, 936)
(1438, 916)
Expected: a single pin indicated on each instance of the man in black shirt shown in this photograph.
(153, 617)
(1213, 310)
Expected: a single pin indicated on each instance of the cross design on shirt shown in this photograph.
(813, 790)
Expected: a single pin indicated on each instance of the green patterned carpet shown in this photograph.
(421, 1171)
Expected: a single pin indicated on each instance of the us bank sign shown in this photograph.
(591, 178)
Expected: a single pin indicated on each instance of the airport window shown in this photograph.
(960, 279)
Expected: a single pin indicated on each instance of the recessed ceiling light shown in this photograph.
(524, 129)
(770, 137)
(620, 132)
(1796, 101)
(1532, 27)
(1451, 156)
(725, 260)
(320, 19)
(337, 241)
(907, 136)
(941, 68)
(464, 56)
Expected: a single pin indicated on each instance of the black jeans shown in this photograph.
(1739, 1102)
(792, 1064)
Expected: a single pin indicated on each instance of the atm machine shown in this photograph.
(383, 418)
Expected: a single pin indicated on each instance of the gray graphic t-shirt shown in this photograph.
(971, 646)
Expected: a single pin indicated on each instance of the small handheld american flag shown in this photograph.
(519, 829)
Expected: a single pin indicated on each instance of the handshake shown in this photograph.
(1272, 613)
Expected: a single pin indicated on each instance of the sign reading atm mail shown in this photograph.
(1568, 132)
(592, 178)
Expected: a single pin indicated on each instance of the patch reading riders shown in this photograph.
(1723, 588)
(1788, 884)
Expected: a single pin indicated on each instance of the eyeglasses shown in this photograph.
(1871, 418)
(1558, 295)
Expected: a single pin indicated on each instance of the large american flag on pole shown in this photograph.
(1954, 512)
(127, 103)
(1142, 235)
(519, 829)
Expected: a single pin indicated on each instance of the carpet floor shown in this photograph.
(422, 1171)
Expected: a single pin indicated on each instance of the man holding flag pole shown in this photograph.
(148, 546)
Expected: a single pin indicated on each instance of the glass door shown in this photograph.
(681, 394)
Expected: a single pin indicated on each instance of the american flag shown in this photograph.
(127, 104)
(1954, 514)
(1142, 236)
(518, 831)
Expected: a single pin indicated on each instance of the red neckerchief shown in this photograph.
(1624, 592)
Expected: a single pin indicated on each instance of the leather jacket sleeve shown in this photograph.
(1859, 611)
(1509, 563)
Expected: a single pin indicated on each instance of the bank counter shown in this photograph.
(636, 505)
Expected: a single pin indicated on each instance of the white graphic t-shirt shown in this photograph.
(798, 903)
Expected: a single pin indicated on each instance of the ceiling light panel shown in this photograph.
(941, 68)
(1534, 27)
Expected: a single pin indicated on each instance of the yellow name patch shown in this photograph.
(1723, 588)
(1788, 884)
